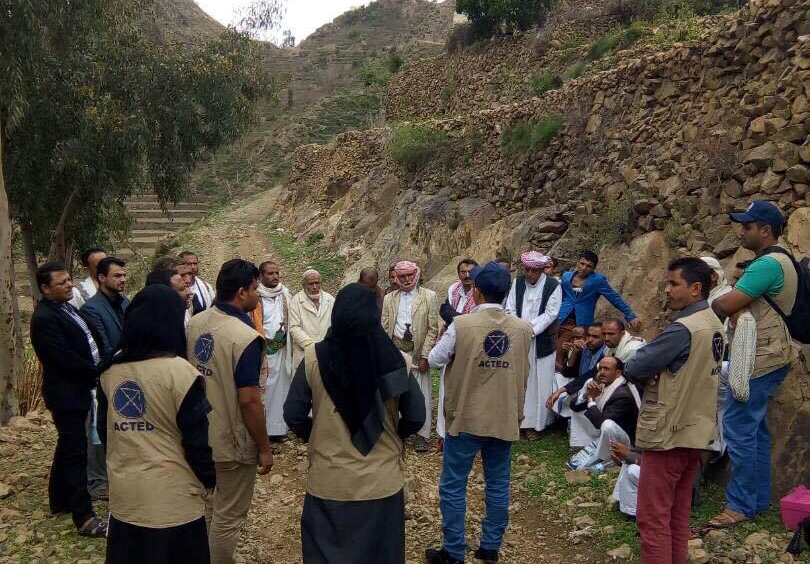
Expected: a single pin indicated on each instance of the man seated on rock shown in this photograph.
(611, 407)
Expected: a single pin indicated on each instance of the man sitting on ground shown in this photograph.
(611, 407)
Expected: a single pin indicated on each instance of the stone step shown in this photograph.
(154, 198)
(142, 243)
(150, 232)
(133, 205)
(165, 223)
(156, 213)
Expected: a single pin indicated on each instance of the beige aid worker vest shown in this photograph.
(151, 484)
(485, 384)
(680, 410)
(337, 470)
(216, 342)
(774, 346)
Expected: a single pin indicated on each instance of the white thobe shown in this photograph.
(405, 317)
(541, 370)
(278, 381)
(626, 490)
(82, 292)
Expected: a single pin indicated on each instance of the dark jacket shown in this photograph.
(68, 370)
(102, 317)
(621, 408)
(583, 304)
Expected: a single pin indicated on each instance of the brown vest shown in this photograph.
(485, 384)
(680, 410)
(216, 342)
(151, 484)
(337, 470)
(774, 347)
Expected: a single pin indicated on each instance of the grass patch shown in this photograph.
(543, 82)
(297, 255)
(573, 41)
(545, 481)
(576, 70)
(413, 146)
(604, 45)
(529, 136)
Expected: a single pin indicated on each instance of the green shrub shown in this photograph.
(573, 41)
(650, 10)
(394, 62)
(632, 34)
(488, 17)
(413, 146)
(576, 70)
(374, 75)
(604, 45)
(314, 238)
(529, 136)
(542, 83)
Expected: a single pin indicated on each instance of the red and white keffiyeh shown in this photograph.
(535, 259)
(406, 268)
(456, 295)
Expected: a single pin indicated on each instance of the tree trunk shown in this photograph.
(11, 352)
(30, 260)
(59, 243)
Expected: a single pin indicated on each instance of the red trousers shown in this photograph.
(664, 502)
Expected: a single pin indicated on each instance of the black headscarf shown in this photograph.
(360, 365)
(153, 326)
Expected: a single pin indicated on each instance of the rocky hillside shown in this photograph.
(327, 92)
(643, 159)
(179, 21)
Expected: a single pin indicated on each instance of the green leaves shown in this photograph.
(93, 106)
(489, 16)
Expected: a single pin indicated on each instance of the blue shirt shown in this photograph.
(583, 304)
(588, 359)
(249, 365)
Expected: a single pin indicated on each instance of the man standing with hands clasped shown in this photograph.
(229, 352)
(487, 358)
(679, 370)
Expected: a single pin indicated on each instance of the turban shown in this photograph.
(407, 268)
(722, 283)
(534, 259)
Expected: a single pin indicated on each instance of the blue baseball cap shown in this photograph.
(491, 278)
(760, 210)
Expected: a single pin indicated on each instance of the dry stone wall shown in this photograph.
(680, 137)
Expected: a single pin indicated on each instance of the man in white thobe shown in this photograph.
(271, 319)
(88, 287)
(537, 298)
(410, 317)
(202, 295)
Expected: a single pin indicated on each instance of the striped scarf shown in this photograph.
(74, 315)
(456, 292)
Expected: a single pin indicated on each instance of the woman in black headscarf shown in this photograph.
(363, 402)
(153, 420)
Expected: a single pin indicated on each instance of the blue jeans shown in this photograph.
(459, 453)
(748, 442)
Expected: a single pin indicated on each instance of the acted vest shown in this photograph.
(774, 346)
(680, 410)
(151, 483)
(337, 470)
(216, 342)
(544, 342)
(485, 384)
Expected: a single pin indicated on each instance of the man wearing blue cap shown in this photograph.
(487, 358)
(770, 280)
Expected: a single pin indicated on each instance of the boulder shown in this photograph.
(798, 232)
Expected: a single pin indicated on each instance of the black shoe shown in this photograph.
(420, 445)
(278, 439)
(488, 556)
(440, 556)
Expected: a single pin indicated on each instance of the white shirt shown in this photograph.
(404, 313)
(531, 305)
(444, 350)
(462, 297)
(272, 315)
(82, 292)
(203, 291)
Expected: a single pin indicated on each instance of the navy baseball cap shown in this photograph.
(760, 210)
(491, 278)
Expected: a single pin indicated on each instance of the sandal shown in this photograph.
(725, 520)
(94, 528)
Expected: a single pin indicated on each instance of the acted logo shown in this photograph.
(496, 344)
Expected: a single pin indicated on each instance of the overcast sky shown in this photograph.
(303, 16)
